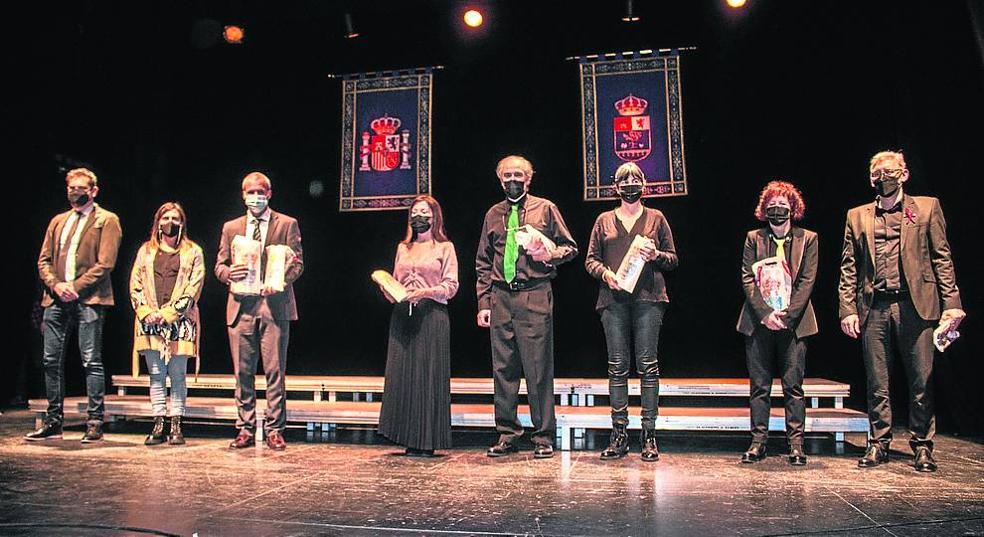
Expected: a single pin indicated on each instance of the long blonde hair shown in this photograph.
(155, 230)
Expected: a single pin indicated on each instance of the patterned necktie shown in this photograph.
(256, 230)
(780, 247)
(511, 254)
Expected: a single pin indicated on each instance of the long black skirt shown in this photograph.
(416, 408)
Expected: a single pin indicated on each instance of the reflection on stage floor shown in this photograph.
(351, 482)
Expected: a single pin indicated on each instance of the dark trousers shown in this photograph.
(522, 346)
(255, 336)
(893, 323)
(59, 318)
(633, 326)
(763, 350)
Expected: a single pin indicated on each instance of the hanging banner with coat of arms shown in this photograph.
(632, 112)
(385, 139)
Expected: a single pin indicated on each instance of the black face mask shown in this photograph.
(420, 224)
(630, 193)
(170, 229)
(514, 190)
(777, 216)
(78, 199)
(887, 187)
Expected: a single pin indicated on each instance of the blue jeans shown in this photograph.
(633, 326)
(59, 318)
(176, 368)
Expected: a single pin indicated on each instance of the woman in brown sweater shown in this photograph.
(631, 319)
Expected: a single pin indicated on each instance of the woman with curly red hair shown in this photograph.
(779, 268)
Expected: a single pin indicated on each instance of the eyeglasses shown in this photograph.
(889, 173)
(511, 175)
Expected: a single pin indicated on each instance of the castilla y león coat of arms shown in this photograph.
(633, 139)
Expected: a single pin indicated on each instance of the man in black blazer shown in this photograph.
(896, 282)
(259, 326)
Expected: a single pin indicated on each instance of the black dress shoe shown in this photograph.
(48, 431)
(618, 445)
(924, 461)
(93, 433)
(650, 453)
(796, 456)
(156, 436)
(423, 453)
(874, 456)
(501, 449)
(755, 453)
(543, 451)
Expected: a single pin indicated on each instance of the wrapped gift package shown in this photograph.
(247, 252)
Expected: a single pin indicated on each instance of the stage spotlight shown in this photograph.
(233, 34)
(473, 18)
(350, 32)
(630, 15)
(736, 3)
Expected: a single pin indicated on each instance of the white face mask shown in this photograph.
(256, 203)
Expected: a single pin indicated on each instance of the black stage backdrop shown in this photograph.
(805, 91)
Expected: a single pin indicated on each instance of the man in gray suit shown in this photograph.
(896, 282)
(259, 326)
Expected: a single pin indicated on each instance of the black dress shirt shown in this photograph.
(543, 215)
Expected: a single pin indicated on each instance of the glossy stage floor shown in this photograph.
(352, 483)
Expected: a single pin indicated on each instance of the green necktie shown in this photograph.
(511, 254)
(780, 247)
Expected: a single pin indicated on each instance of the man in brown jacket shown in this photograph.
(896, 283)
(259, 325)
(77, 257)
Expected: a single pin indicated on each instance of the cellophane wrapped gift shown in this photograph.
(246, 251)
(632, 264)
(279, 257)
(774, 281)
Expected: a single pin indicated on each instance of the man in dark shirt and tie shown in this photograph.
(896, 282)
(514, 265)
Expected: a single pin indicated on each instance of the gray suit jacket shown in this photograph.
(925, 254)
(282, 230)
(804, 259)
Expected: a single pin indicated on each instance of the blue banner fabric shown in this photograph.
(386, 122)
(632, 112)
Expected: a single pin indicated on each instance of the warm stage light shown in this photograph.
(630, 15)
(736, 3)
(233, 34)
(473, 18)
(350, 32)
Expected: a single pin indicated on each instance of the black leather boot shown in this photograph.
(650, 453)
(156, 435)
(618, 446)
(176, 437)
